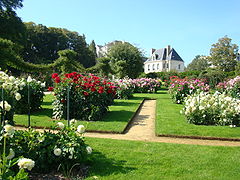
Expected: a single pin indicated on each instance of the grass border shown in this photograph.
(97, 131)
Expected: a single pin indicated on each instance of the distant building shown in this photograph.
(164, 60)
(102, 50)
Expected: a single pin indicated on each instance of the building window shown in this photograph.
(179, 66)
(164, 65)
(149, 67)
(153, 67)
(157, 66)
(156, 56)
(167, 65)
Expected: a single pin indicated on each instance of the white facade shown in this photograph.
(103, 50)
(164, 60)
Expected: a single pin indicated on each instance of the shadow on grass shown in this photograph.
(125, 103)
(44, 112)
(119, 116)
(103, 166)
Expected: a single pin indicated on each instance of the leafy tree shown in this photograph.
(92, 48)
(10, 4)
(12, 27)
(126, 60)
(223, 54)
(199, 63)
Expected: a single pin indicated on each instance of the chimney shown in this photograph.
(168, 49)
(152, 51)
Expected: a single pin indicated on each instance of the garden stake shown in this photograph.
(29, 106)
(3, 109)
(68, 106)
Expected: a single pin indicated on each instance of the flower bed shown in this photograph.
(180, 88)
(125, 89)
(232, 87)
(146, 85)
(89, 96)
(212, 109)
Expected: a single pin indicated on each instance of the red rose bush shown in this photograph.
(89, 96)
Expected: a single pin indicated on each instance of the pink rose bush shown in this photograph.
(179, 89)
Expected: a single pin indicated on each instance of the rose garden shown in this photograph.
(71, 109)
(78, 103)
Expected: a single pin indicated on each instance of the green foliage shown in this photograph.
(40, 147)
(126, 60)
(43, 44)
(92, 48)
(36, 98)
(12, 27)
(213, 77)
(223, 54)
(10, 4)
(199, 63)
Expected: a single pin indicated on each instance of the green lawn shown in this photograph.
(114, 121)
(118, 159)
(170, 121)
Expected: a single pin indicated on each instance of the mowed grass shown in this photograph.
(131, 160)
(169, 121)
(114, 121)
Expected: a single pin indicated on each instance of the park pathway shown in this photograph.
(142, 128)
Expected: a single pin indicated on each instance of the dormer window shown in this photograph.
(156, 56)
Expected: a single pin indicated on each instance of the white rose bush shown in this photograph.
(8, 158)
(212, 109)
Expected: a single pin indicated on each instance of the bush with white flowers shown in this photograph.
(36, 89)
(212, 109)
(7, 162)
(50, 149)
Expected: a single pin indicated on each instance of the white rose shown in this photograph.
(29, 79)
(43, 84)
(11, 78)
(89, 150)
(9, 129)
(60, 125)
(73, 121)
(11, 154)
(26, 163)
(81, 129)
(57, 152)
(18, 96)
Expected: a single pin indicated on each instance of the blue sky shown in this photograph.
(189, 26)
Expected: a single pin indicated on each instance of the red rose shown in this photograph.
(63, 101)
(57, 80)
(93, 89)
(54, 75)
(50, 88)
(85, 93)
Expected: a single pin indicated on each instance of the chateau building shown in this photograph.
(164, 60)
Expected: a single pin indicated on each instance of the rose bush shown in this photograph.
(179, 89)
(90, 96)
(146, 85)
(212, 109)
(49, 150)
(125, 88)
(232, 87)
(36, 89)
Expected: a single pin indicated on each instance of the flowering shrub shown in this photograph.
(36, 96)
(9, 86)
(7, 162)
(90, 96)
(145, 85)
(180, 88)
(212, 109)
(124, 88)
(49, 150)
(232, 87)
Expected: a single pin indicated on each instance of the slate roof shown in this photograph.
(161, 54)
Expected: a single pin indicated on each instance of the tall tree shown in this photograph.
(223, 54)
(10, 4)
(126, 60)
(92, 48)
(199, 63)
